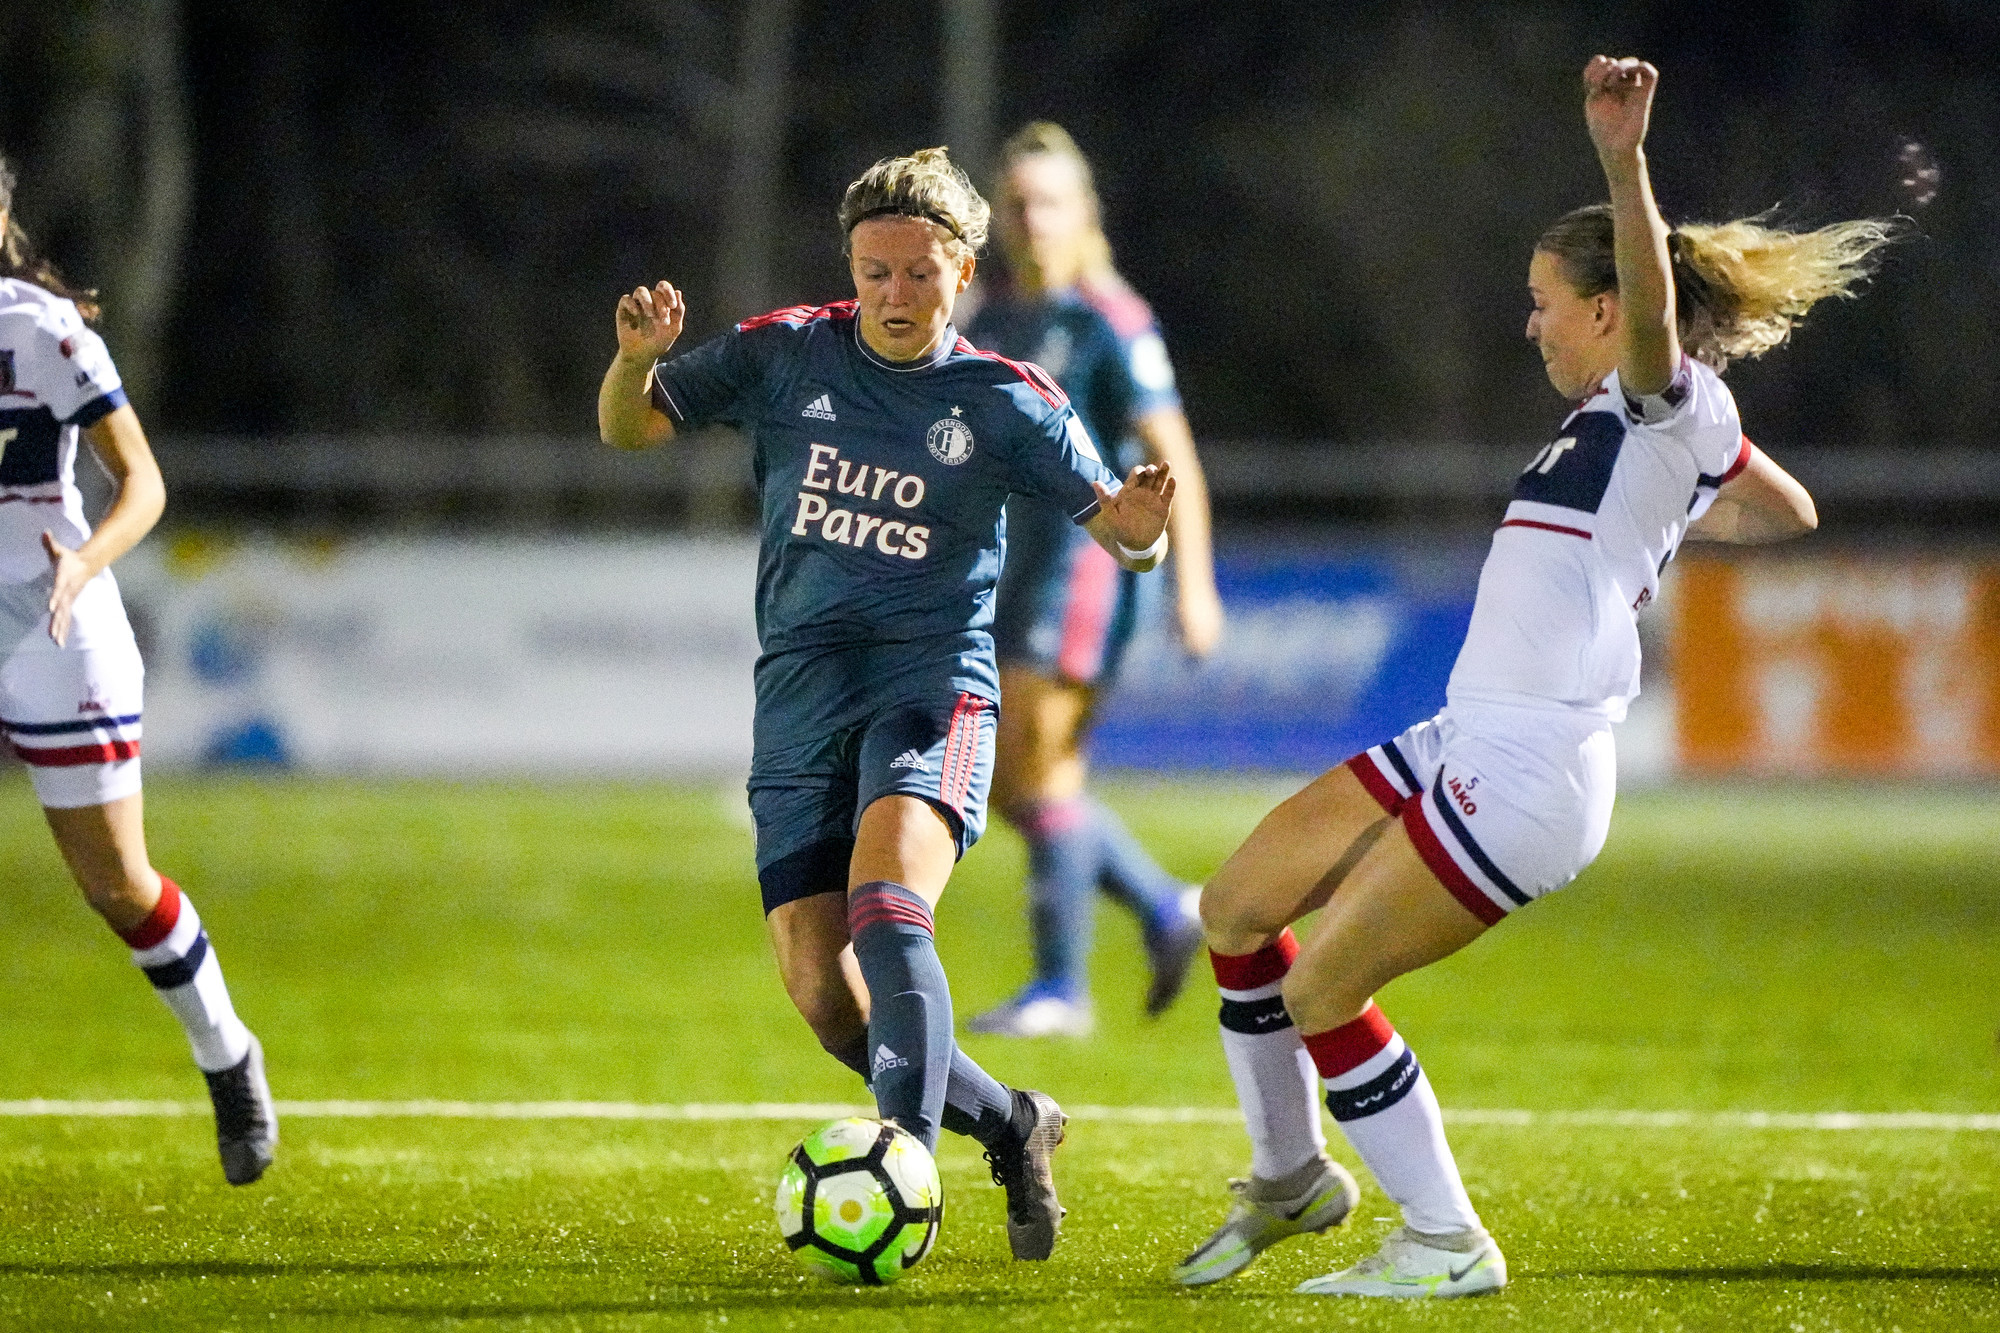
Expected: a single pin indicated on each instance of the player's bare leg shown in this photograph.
(1290, 866)
(1076, 847)
(904, 852)
(1390, 916)
(105, 849)
(817, 965)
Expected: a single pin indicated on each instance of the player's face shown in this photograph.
(1045, 212)
(907, 282)
(1575, 334)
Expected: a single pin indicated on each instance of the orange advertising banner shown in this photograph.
(1837, 666)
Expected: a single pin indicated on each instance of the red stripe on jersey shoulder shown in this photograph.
(1123, 309)
(1036, 378)
(1742, 461)
(801, 315)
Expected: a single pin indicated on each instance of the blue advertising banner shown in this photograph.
(1326, 652)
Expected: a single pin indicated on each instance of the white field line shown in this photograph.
(1131, 1115)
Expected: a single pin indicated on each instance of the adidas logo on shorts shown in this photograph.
(910, 759)
(820, 408)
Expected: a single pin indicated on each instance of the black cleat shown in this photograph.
(1021, 1167)
(246, 1123)
(1170, 953)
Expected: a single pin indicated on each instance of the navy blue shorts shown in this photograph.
(806, 800)
(1065, 608)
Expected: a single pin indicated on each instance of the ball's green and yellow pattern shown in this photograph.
(860, 1201)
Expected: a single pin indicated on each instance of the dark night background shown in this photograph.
(383, 218)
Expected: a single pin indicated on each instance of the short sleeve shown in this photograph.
(718, 381)
(72, 371)
(1151, 372)
(1058, 464)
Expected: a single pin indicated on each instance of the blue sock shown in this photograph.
(1063, 857)
(1130, 877)
(909, 1023)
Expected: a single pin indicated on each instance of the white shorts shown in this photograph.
(1503, 804)
(71, 714)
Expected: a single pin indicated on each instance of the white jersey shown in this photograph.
(1594, 519)
(55, 377)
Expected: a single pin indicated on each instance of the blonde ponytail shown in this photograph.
(1740, 287)
(1751, 284)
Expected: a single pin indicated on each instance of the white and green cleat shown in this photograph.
(1257, 1221)
(1409, 1268)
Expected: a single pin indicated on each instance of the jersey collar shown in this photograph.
(944, 349)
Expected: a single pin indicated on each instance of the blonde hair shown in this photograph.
(926, 184)
(1740, 287)
(1045, 138)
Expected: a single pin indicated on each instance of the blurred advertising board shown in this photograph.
(1326, 652)
(436, 656)
(1818, 666)
(441, 657)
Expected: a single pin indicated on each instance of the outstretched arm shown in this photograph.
(1617, 105)
(1168, 440)
(1762, 503)
(1131, 522)
(649, 321)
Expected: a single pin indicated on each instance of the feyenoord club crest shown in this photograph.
(950, 441)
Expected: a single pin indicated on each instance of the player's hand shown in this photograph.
(1618, 102)
(1138, 513)
(649, 321)
(72, 572)
(1199, 617)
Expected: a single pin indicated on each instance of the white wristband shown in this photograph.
(1153, 552)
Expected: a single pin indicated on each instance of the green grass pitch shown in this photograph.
(1745, 949)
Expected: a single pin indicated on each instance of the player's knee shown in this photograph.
(1230, 921)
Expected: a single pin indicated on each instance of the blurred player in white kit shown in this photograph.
(70, 676)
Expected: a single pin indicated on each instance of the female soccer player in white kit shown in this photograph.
(1412, 849)
(70, 675)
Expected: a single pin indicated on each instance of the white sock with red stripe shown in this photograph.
(1275, 1081)
(1383, 1103)
(172, 949)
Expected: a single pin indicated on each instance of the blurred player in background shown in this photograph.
(70, 675)
(1414, 848)
(1066, 611)
(886, 446)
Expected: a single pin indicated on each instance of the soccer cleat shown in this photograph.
(1407, 1267)
(1254, 1225)
(246, 1123)
(1021, 1167)
(1033, 1014)
(1169, 952)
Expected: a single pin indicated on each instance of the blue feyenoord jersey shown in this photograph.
(882, 486)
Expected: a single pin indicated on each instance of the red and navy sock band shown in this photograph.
(884, 903)
(1254, 971)
(1339, 1051)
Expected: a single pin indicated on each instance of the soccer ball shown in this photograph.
(860, 1201)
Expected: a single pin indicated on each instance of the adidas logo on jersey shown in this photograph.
(910, 759)
(820, 408)
(885, 1059)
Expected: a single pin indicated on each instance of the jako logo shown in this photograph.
(1462, 793)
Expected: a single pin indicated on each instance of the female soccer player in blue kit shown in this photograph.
(1416, 847)
(1066, 611)
(885, 447)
